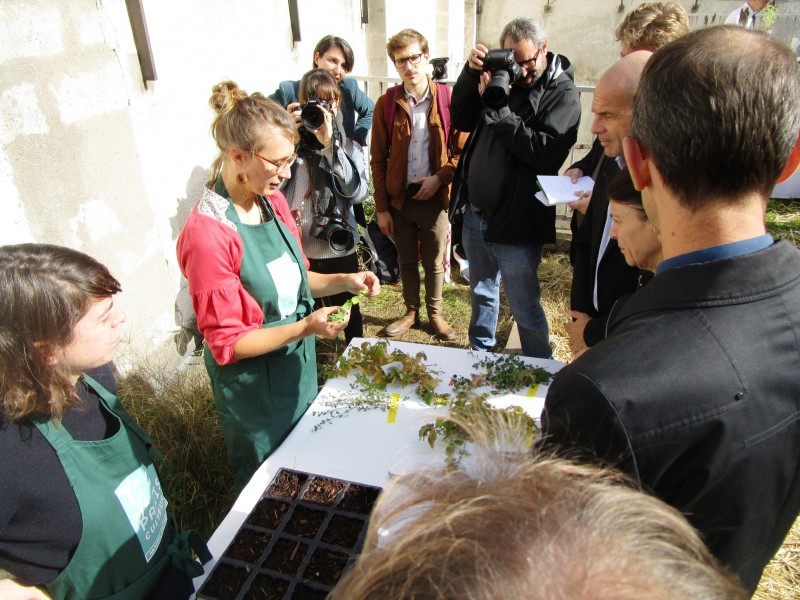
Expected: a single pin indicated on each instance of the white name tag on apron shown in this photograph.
(286, 276)
(142, 498)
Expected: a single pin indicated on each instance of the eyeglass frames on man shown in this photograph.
(530, 64)
(412, 60)
(279, 166)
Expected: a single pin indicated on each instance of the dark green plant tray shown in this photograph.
(303, 534)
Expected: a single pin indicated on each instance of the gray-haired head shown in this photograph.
(523, 28)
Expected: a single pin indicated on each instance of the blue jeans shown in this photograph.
(517, 264)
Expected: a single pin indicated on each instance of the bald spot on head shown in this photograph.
(622, 78)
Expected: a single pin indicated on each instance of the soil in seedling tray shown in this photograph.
(226, 582)
(287, 483)
(268, 513)
(359, 499)
(301, 536)
(343, 531)
(248, 545)
(326, 566)
(267, 587)
(286, 556)
(323, 491)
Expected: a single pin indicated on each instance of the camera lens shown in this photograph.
(496, 93)
(340, 239)
(312, 117)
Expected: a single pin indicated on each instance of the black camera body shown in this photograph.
(334, 229)
(505, 73)
(311, 113)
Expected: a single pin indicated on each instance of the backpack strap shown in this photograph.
(443, 96)
(389, 99)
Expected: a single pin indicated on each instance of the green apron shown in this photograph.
(259, 400)
(129, 539)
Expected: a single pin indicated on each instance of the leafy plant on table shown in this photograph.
(377, 366)
(503, 373)
(339, 315)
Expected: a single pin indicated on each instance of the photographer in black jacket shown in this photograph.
(517, 134)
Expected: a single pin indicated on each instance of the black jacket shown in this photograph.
(696, 394)
(531, 136)
(615, 278)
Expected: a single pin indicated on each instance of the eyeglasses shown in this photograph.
(529, 64)
(279, 166)
(412, 60)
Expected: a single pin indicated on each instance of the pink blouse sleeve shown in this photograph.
(210, 257)
(284, 213)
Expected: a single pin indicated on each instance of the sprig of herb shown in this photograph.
(339, 315)
(509, 373)
(377, 367)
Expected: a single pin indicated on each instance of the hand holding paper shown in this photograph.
(559, 189)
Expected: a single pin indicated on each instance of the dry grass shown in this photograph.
(781, 578)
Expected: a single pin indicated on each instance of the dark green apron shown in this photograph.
(129, 539)
(259, 400)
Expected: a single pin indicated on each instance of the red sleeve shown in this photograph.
(210, 257)
(284, 213)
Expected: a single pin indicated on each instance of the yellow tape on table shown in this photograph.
(394, 404)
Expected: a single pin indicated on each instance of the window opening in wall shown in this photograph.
(294, 19)
(142, 40)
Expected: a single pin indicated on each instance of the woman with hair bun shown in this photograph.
(241, 254)
(82, 511)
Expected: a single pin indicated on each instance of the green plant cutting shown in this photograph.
(339, 315)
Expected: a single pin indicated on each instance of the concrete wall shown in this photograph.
(91, 159)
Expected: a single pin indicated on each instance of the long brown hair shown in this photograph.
(44, 291)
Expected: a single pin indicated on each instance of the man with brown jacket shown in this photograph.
(412, 168)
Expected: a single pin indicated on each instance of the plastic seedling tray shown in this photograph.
(302, 535)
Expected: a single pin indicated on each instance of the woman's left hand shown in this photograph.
(364, 280)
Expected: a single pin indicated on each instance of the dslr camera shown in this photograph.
(311, 113)
(505, 73)
(333, 228)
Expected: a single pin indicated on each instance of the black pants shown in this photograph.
(340, 264)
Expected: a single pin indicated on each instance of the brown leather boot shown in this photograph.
(403, 324)
(441, 328)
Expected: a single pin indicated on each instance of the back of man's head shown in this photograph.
(716, 111)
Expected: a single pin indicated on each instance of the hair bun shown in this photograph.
(225, 95)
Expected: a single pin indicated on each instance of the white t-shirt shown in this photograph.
(748, 19)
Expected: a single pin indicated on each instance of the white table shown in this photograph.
(365, 447)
